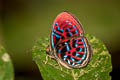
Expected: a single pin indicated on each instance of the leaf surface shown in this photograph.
(98, 69)
(6, 66)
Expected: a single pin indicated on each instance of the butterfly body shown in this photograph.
(67, 42)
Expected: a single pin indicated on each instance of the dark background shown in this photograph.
(22, 22)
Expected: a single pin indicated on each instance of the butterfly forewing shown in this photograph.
(64, 26)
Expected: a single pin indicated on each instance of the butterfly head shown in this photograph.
(48, 49)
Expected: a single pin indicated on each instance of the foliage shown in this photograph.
(6, 67)
(98, 69)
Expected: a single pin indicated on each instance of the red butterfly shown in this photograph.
(68, 45)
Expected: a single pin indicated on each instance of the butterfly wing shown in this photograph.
(74, 52)
(65, 26)
(67, 41)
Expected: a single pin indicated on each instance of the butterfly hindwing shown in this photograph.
(74, 52)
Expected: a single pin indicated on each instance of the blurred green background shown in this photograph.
(24, 21)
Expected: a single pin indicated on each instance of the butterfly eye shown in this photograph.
(48, 49)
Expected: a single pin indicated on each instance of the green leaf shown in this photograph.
(98, 69)
(6, 67)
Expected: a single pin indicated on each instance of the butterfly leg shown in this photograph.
(60, 66)
(51, 57)
(75, 75)
(48, 56)
(46, 61)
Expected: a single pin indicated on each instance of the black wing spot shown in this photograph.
(67, 29)
(71, 27)
(68, 41)
(73, 45)
(64, 50)
(77, 49)
(73, 32)
(63, 44)
(68, 57)
(62, 37)
(79, 40)
(68, 35)
(56, 40)
(83, 49)
(60, 31)
(68, 52)
(74, 53)
(62, 55)
(80, 44)
(81, 55)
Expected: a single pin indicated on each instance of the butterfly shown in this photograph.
(68, 45)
